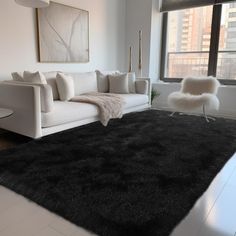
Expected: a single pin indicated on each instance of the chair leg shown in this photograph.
(208, 118)
(204, 113)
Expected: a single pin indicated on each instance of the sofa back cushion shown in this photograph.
(84, 82)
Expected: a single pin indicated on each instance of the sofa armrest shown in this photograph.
(24, 100)
(46, 95)
(143, 86)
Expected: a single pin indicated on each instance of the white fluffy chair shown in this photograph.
(195, 93)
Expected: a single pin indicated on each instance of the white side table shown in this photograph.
(5, 113)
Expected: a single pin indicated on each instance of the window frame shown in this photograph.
(213, 50)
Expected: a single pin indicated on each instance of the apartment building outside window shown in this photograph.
(199, 42)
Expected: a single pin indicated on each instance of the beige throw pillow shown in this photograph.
(34, 77)
(16, 76)
(118, 83)
(103, 80)
(65, 85)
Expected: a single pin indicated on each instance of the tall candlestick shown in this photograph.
(130, 59)
(140, 53)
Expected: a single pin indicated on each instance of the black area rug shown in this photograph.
(139, 176)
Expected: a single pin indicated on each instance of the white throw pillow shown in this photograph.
(131, 77)
(51, 80)
(16, 76)
(65, 85)
(34, 77)
(119, 83)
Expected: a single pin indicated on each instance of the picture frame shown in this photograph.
(63, 34)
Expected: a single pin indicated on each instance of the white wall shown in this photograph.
(138, 17)
(144, 15)
(155, 42)
(18, 41)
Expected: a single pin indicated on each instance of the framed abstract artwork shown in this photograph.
(63, 34)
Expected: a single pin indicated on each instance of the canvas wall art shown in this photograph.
(63, 34)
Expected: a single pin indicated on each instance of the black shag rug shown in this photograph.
(138, 177)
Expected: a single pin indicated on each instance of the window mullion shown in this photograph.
(215, 38)
(163, 45)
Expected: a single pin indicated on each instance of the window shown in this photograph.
(190, 50)
(227, 43)
(188, 42)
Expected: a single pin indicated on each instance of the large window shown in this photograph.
(199, 42)
(226, 68)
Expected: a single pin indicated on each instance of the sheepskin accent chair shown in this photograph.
(195, 93)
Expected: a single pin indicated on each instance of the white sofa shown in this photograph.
(29, 118)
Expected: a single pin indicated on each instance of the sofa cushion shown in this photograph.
(84, 82)
(131, 78)
(118, 83)
(141, 86)
(17, 76)
(65, 85)
(65, 112)
(51, 80)
(103, 81)
(133, 100)
(34, 77)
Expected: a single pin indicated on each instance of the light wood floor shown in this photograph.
(214, 214)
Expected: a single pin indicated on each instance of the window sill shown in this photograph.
(178, 80)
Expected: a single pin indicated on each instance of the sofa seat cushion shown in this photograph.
(133, 100)
(65, 112)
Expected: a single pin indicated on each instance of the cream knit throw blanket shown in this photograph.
(109, 105)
